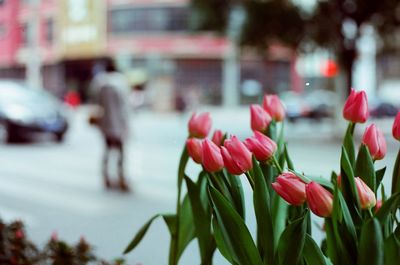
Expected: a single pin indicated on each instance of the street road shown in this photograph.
(57, 187)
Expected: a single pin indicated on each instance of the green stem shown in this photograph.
(216, 182)
(173, 255)
(250, 179)
(370, 213)
(351, 128)
(276, 164)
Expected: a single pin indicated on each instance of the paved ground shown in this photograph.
(57, 187)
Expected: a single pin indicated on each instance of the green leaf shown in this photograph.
(347, 218)
(365, 167)
(287, 157)
(348, 143)
(281, 139)
(348, 185)
(224, 247)
(307, 179)
(236, 190)
(396, 175)
(312, 253)
(344, 229)
(140, 234)
(388, 207)
(261, 200)
(332, 246)
(379, 176)
(291, 243)
(272, 131)
(170, 221)
(392, 250)
(202, 222)
(234, 230)
(345, 243)
(183, 234)
(181, 168)
(279, 215)
(186, 227)
(371, 248)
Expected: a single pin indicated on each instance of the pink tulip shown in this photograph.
(396, 127)
(356, 107)
(237, 157)
(319, 200)
(194, 147)
(365, 194)
(273, 105)
(218, 137)
(260, 119)
(378, 205)
(374, 139)
(291, 188)
(211, 156)
(200, 125)
(261, 146)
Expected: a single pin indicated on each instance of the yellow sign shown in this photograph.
(82, 28)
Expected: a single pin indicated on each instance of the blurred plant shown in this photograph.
(17, 249)
(359, 228)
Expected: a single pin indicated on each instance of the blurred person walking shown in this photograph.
(111, 93)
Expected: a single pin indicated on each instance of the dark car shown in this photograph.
(25, 110)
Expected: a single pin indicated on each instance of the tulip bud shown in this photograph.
(237, 157)
(261, 146)
(199, 125)
(374, 139)
(319, 200)
(259, 118)
(218, 137)
(356, 107)
(291, 188)
(365, 194)
(396, 127)
(194, 147)
(211, 156)
(273, 105)
(378, 205)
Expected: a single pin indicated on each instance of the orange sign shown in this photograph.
(82, 25)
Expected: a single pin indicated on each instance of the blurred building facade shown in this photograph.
(150, 40)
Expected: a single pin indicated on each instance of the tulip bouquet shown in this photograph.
(359, 228)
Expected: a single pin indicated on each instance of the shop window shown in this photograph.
(148, 19)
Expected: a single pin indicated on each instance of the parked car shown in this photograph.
(380, 108)
(296, 107)
(25, 110)
(321, 103)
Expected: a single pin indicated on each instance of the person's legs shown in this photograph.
(122, 183)
(106, 156)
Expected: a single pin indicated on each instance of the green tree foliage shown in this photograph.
(332, 24)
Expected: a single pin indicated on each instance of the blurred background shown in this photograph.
(205, 55)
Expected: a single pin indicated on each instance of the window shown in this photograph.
(2, 2)
(149, 19)
(49, 30)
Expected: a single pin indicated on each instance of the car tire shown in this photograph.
(59, 137)
(12, 136)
